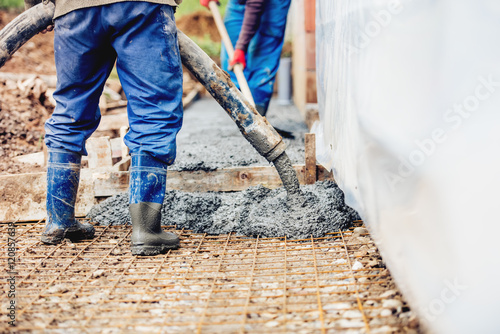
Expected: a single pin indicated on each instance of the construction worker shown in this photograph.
(257, 30)
(89, 37)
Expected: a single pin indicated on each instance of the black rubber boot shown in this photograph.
(54, 234)
(261, 109)
(283, 133)
(147, 236)
(148, 178)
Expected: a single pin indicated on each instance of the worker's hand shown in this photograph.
(238, 58)
(205, 2)
(48, 29)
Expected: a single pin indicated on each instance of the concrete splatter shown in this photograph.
(257, 211)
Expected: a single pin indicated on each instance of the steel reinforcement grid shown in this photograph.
(212, 284)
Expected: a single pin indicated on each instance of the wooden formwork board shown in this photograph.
(23, 195)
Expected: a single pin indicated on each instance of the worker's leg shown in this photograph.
(63, 174)
(150, 70)
(233, 20)
(264, 53)
(83, 64)
(148, 178)
(84, 60)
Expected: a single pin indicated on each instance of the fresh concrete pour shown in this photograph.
(257, 211)
(209, 140)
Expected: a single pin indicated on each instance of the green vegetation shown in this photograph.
(189, 6)
(210, 47)
(11, 3)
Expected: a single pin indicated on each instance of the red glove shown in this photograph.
(205, 2)
(238, 58)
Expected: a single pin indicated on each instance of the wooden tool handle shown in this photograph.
(237, 68)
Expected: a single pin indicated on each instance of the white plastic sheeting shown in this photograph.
(409, 99)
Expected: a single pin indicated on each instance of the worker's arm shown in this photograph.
(251, 22)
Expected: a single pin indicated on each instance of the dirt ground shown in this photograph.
(24, 101)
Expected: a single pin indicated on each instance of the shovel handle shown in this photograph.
(237, 68)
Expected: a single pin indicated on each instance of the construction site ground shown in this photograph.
(223, 283)
(212, 284)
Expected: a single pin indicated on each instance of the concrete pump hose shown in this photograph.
(23, 28)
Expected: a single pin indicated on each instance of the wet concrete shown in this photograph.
(287, 174)
(210, 140)
(255, 211)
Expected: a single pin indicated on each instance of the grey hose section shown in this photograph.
(23, 28)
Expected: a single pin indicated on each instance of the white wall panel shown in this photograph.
(409, 98)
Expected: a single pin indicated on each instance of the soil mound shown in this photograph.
(199, 24)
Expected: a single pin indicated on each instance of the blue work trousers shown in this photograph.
(264, 50)
(141, 37)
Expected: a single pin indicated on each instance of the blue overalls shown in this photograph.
(264, 50)
(141, 37)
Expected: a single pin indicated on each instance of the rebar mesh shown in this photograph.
(212, 284)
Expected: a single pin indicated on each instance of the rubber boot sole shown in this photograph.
(53, 238)
(152, 250)
(57, 236)
(80, 235)
(284, 133)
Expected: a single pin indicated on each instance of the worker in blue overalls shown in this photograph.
(89, 37)
(257, 30)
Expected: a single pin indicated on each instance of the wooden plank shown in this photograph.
(223, 180)
(37, 158)
(192, 96)
(109, 184)
(50, 80)
(124, 150)
(310, 169)
(310, 51)
(311, 89)
(99, 152)
(123, 164)
(310, 15)
(23, 195)
(116, 147)
(312, 114)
